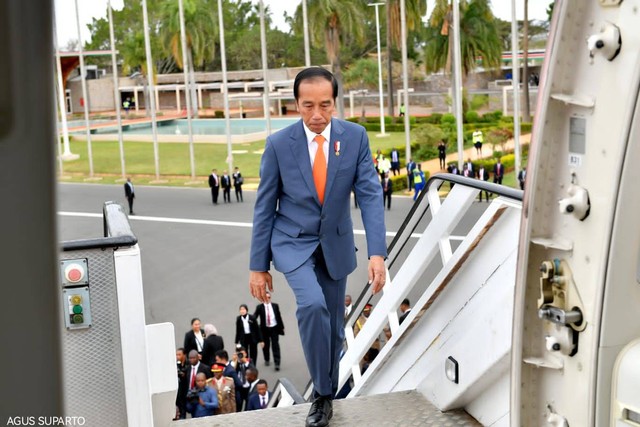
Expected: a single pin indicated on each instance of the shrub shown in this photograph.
(448, 119)
(478, 101)
(498, 137)
(428, 137)
(219, 114)
(472, 117)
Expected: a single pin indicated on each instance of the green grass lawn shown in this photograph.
(174, 157)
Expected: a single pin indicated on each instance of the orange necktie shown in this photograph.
(320, 168)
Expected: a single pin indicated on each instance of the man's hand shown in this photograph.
(261, 344)
(259, 282)
(377, 273)
(201, 401)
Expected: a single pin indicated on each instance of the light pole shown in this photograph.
(265, 67)
(405, 79)
(305, 26)
(515, 66)
(457, 80)
(223, 59)
(151, 89)
(116, 89)
(84, 92)
(187, 94)
(67, 154)
(382, 129)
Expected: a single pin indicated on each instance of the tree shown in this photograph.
(363, 75)
(201, 28)
(414, 11)
(478, 36)
(332, 23)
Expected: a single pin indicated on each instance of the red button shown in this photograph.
(74, 275)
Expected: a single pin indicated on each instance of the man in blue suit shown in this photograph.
(302, 222)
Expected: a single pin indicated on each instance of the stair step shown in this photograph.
(405, 408)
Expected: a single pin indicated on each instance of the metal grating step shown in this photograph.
(405, 408)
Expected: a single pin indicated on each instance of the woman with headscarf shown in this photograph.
(212, 343)
(248, 333)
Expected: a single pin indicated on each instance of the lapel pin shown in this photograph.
(336, 147)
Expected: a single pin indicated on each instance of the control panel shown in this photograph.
(76, 301)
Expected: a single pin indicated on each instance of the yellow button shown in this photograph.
(76, 299)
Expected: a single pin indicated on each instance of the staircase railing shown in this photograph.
(436, 240)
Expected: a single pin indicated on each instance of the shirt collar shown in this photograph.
(310, 134)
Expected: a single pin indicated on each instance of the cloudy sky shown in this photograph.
(66, 23)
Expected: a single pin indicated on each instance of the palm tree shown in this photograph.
(414, 10)
(478, 36)
(332, 23)
(201, 28)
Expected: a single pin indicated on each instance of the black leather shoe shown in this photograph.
(320, 413)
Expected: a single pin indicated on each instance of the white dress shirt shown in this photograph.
(245, 323)
(313, 146)
(270, 315)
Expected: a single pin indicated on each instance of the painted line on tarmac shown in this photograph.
(198, 222)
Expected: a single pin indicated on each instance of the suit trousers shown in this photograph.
(214, 195)
(130, 200)
(271, 339)
(320, 314)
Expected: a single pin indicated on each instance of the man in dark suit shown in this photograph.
(483, 175)
(522, 175)
(260, 398)
(226, 187)
(181, 397)
(302, 222)
(498, 172)
(405, 308)
(238, 180)
(214, 183)
(387, 190)
(130, 194)
(271, 326)
(195, 367)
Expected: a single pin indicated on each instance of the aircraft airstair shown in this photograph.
(449, 360)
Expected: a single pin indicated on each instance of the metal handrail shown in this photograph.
(413, 218)
(290, 388)
(117, 231)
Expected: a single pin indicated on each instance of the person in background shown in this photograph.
(442, 154)
(271, 327)
(418, 181)
(348, 306)
(387, 190)
(129, 194)
(194, 339)
(411, 166)
(248, 333)
(395, 161)
(498, 172)
(212, 344)
(403, 110)
(202, 400)
(183, 385)
(214, 183)
(226, 389)
(259, 399)
(238, 180)
(225, 181)
(522, 175)
(222, 357)
(483, 175)
(405, 308)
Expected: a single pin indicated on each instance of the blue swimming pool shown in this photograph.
(202, 127)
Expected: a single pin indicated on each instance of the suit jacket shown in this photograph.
(403, 316)
(229, 371)
(128, 190)
(236, 178)
(190, 342)
(254, 401)
(289, 222)
(205, 369)
(214, 181)
(225, 181)
(485, 177)
(211, 345)
(389, 187)
(495, 171)
(256, 335)
(261, 315)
